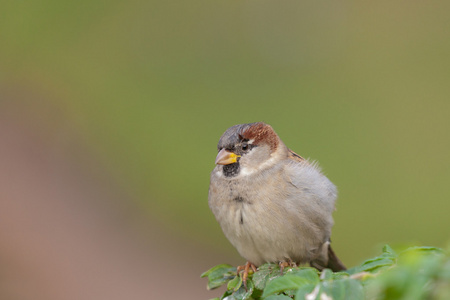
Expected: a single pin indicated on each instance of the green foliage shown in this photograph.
(219, 275)
(415, 273)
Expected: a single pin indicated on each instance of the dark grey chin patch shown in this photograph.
(231, 170)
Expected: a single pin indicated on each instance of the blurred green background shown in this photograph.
(148, 87)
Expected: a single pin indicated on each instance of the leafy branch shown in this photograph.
(415, 273)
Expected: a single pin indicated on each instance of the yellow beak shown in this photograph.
(225, 157)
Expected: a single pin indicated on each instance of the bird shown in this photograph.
(273, 205)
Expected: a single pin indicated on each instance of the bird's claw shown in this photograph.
(284, 264)
(245, 269)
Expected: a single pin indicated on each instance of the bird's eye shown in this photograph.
(245, 147)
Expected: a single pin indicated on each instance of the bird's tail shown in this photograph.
(334, 263)
(328, 260)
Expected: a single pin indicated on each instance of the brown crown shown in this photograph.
(261, 133)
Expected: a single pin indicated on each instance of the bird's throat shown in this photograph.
(231, 170)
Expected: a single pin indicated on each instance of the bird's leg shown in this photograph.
(284, 264)
(245, 269)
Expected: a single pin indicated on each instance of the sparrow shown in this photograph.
(273, 205)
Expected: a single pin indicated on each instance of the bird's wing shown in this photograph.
(310, 183)
(294, 156)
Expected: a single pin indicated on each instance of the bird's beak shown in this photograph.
(225, 157)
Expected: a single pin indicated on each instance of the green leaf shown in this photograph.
(226, 294)
(343, 289)
(387, 250)
(242, 294)
(386, 259)
(268, 266)
(415, 277)
(219, 275)
(213, 284)
(424, 249)
(278, 297)
(286, 282)
(340, 275)
(257, 294)
(416, 273)
(213, 269)
(326, 274)
(265, 273)
(421, 257)
(310, 274)
(308, 289)
(372, 265)
(234, 284)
